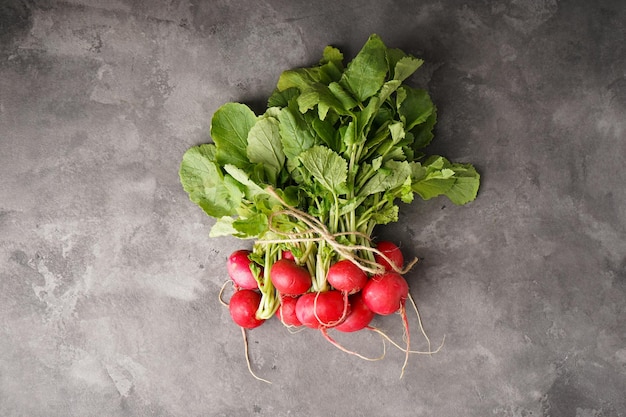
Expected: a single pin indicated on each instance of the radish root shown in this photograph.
(419, 321)
(245, 344)
(324, 331)
(418, 352)
(221, 294)
(405, 322)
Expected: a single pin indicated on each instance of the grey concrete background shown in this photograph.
(109, 282)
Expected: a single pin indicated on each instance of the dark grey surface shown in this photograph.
(109, 282)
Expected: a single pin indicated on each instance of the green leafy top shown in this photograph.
(342, 143)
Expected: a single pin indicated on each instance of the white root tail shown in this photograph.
(332, 341)
(245, 343)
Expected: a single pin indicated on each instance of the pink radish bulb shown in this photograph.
(243, 306)
(346, 276)
(360, 315)
(238, 266)
(385, 294)
(324, 309)
(287, 311)
(289, 278)
(391, 251)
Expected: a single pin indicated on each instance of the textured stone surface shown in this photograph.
(109, 283)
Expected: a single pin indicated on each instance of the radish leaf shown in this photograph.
(365, 75)
(264, 147)
(229, 129)
(326, 166)
(201, 177)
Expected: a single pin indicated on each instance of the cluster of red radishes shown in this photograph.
(349, 304)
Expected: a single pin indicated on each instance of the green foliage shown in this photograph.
(342, 143)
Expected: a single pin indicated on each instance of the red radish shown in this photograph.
(243, 306)
(324, 309)
(346, 276)
(289, 278)
(286, 254)
(391, 251)
(385, 294)
(239, 270)
(287, 311)
(360, 315)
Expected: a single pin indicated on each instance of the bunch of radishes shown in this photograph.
(347, 304)
(309, 179)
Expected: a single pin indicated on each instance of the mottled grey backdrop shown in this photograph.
(109, 282)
